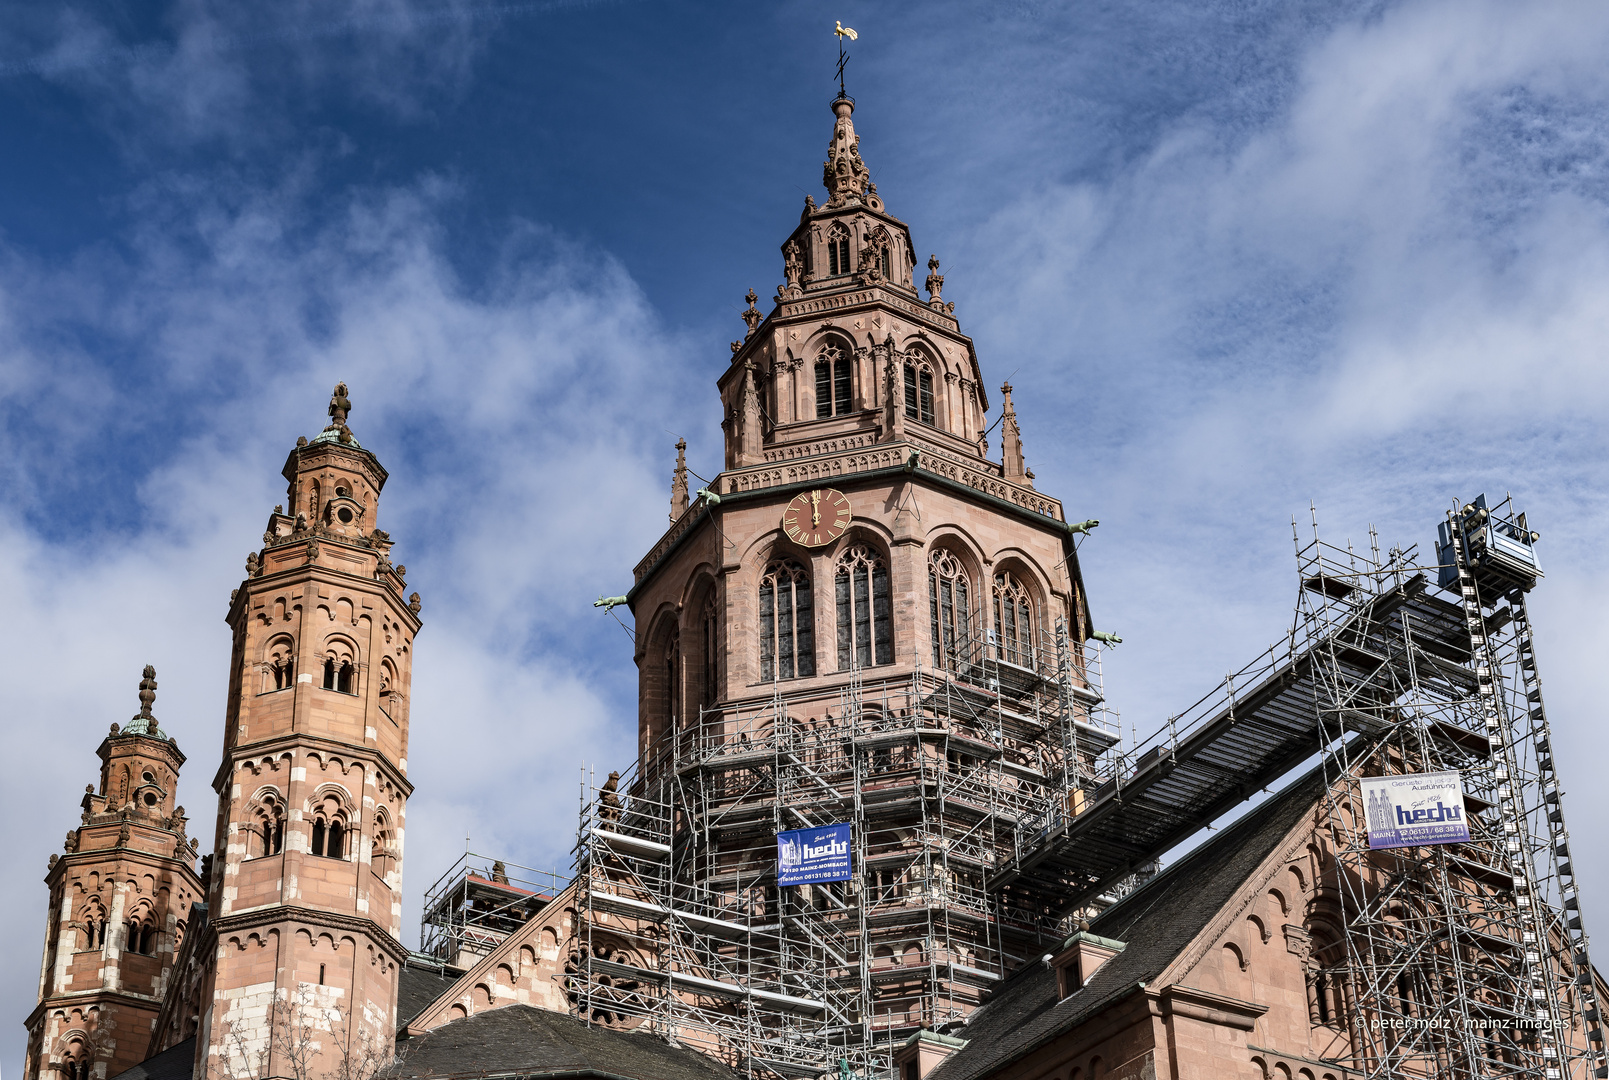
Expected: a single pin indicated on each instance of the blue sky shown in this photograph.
(1237, 258)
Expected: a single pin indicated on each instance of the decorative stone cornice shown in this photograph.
(879, 294)
(275, 914)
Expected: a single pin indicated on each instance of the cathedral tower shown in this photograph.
(305, 896)
(864, 622)
(119, 903)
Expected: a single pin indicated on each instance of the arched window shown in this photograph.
(329, 673)
(75, 1063)
(279, 667)
(787, 622)
(919, 393)
(835, 382)
(382, 857)
(710, 627)
(673, 676)
(141, 936)
(329, 829)
(838, 251)
(1013, 621)
(94, 918)
(948, 594)
(865, 631)
(268, 826)
(343, 678)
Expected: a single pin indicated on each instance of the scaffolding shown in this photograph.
(945, 775)
(1469, 959)
(991, 802)
(478, 903)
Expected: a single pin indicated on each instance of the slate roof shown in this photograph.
(1156, 921)
(419, 984)
(523, 1041)
(174, 1063)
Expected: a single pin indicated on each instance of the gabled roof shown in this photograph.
(174, 1063)
(523, 1041)
(1157, 921)
(420, 983)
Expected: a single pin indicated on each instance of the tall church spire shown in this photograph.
(844, 173)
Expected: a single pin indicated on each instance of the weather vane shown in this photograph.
(843, 58)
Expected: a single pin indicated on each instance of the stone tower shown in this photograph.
(119, 903)
(862, 620)
(305, 896)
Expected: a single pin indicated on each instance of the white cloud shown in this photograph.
(522, 429)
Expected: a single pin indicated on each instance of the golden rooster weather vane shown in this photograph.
(842, 32)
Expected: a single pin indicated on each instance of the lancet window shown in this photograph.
(948, 593)
(838, 251)
(835, 381)
(787, 622)
(919, 393)
(710, 626)
(1013, 620)
(865, 625)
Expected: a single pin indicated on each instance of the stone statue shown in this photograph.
(609, 799)
(340, 406)
(793, 263)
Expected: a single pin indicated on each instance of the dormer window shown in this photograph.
(838, 251)
(834, 382)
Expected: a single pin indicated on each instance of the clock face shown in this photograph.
(816, 517)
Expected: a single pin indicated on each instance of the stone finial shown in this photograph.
(843, 173)
(737, 347)
(499, 873)
(935, 282)
(340, 406)
(251, 564)
(413, 603)
(301, 441)
(678, 483)
(1010, 438)
(147, 693)
(752, 315)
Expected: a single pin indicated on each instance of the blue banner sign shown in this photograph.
(809, 856)
(1415, 808)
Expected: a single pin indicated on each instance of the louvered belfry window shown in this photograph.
(835, 382)
(918, 393)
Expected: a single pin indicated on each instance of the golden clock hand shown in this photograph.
(815, 508)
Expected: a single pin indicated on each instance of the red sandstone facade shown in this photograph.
(305, 898)
(120, 902)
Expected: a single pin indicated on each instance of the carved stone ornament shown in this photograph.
(1298, 942)
(72, 841)
(340, 406)
(752, 315)
(251, 564)
(413, 603)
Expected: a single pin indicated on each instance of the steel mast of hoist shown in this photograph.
(1492, 558)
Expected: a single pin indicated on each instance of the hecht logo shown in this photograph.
(831, 847)
(1440, 813)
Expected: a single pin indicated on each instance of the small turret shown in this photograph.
(678, 483)
(1010, 439)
